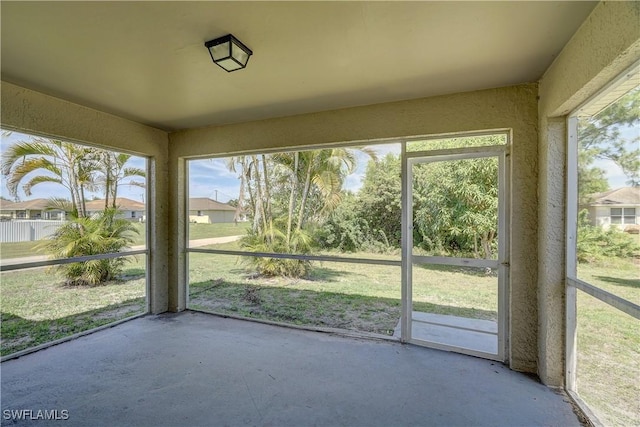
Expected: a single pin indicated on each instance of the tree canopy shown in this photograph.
(609, 135)
(77, 168)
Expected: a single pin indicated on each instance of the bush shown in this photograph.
(274, 240)
(100, 234)
(596, 244)
(348, 230)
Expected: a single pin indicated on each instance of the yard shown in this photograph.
(359, 297)
(196, 231)
(37, 307)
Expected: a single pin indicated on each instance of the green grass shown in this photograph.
(37, 306)
(348, 296)
(18, 249)
(609, 344)
(196, 231)
(206, 231)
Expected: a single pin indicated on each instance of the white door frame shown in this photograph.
(409, 159)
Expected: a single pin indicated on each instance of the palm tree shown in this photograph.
(30, 163)
(242, 166)
(312, 182)
(112, 172)
(104, 233)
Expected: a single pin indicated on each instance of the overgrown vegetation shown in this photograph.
(598, 244)
(455, 206)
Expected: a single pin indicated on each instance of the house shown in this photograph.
(6, 209)
(619, 208)
(203, 210)
(129, 209)
(322, 74)
(31, 209)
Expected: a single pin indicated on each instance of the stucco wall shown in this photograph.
(32, 112)
(606, 44)
(504, 108)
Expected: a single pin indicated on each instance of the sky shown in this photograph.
(211, 178)
(47, 190)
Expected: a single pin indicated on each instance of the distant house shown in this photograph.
(616, 208)
(30, 209)
(207, 211)
(6, 209)
(129, 209)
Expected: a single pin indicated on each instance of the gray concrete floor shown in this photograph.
(194, 369)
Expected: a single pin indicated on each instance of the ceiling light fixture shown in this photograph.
(228, 52)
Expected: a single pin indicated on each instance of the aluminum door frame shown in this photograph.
(409, 159)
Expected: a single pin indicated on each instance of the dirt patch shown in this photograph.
(298, 307)
(15, 342)
(117, 313)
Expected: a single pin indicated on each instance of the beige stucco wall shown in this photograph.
(504, 108)
(605, 45)
(32, 112)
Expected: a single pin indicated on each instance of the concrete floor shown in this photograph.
(194, 369)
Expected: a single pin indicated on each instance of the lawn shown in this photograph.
(608, 373)
(196, 231)
(37, 306)
(348, 296)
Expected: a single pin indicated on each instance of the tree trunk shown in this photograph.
(236, 216)
(267, 194)
(305, 196)
(260, 197)
(107, 179)
(292, 196)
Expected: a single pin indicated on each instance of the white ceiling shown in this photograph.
(146, 61)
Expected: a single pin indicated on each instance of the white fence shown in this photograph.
(26, 231)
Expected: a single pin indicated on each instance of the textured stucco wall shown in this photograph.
(551, 249)
(606, 44)
(29, 111)
(511, 107)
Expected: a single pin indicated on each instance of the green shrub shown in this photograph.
(274, 240)
(348, 230)
(597, 244)
(99, 234)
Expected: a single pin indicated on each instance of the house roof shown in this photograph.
(307, 56)
(121, 202)
(206, 204)
(618, 196)
(6, 205)
(35, 204)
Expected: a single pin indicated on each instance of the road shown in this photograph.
(192, 244)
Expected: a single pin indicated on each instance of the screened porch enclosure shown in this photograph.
(323, 244)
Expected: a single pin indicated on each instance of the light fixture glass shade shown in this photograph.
(228, 52)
